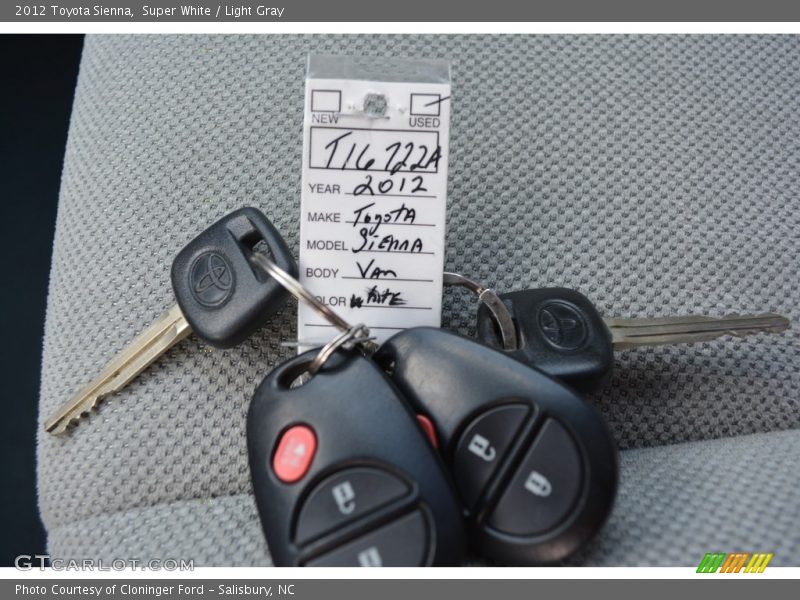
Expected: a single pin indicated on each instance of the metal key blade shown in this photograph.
(632, 333)
(169, 329)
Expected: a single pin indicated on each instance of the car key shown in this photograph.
(535, 466)
(342, 473)
(222, 296)
(560, 332)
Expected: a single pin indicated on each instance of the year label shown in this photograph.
(30, 11)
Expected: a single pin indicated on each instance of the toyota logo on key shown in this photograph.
(562, 325)
(211, 279)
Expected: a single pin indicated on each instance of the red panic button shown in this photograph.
(427, 426)
(294, 454)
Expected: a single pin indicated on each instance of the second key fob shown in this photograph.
(535, 466)
(342, 474)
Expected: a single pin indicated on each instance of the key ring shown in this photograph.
(297, 290)
(351, 335)
(357, 334)
(498, 310)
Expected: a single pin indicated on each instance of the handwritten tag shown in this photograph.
(373, 204)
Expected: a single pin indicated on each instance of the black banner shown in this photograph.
(408, 10)
(393, 589)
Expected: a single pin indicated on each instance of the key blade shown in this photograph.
(632, 333)
(169, 329)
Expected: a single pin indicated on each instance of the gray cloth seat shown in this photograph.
(658, 175)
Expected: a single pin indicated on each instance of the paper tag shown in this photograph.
(373, 203)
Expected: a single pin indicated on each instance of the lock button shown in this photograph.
(482, 446)
(545, 487)
(344, 497)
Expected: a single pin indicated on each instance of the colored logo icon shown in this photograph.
(738, 562)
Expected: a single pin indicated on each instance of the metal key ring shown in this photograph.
(295, 288)
(498, 310)
(354, 334)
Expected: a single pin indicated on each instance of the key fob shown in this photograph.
(560, 332)
(342, 474)
(224, 297)
(534, 465)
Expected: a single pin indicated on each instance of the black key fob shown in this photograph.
(343, 475)
(535, 466)
(223, 295)
(560, 332)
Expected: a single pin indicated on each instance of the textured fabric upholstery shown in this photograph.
(658, 175)
(675, 504)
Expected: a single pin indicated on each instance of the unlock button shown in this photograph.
(482, 446)
(346, 496)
